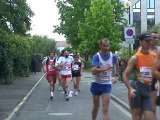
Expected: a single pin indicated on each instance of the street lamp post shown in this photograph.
(127, 6)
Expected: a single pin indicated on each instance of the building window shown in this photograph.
(150, 21)
(137, 17)
(151, 4)
(150, 13)
(137, 5)
(137, 21)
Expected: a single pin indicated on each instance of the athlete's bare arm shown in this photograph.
(116, 66)
(156, 67)
(129, 69)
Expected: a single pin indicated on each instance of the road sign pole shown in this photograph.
(129, 33)
(129, 15)
(129, 50)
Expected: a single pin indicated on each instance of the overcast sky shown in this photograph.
(46, 15)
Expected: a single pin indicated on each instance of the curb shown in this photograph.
(15, 110)
(120, 102)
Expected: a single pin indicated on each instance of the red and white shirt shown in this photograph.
(67, 63)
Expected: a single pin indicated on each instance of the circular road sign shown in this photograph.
(129, 32)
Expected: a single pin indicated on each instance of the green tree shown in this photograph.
(100, 21)
(71, 12)
(155, 28)
(15, 16)
(43, 45)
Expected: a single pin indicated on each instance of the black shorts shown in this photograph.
(142, 100)
(76, 74)
(154, 80)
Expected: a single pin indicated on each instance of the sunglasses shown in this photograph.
(155, 37)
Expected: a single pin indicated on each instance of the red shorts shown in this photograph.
(65, 76)
(51, 78)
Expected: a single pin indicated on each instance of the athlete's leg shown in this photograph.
(74, 83)
(59, 81)
(52, 80)
(78, 82)
(136, 103)
(63, 82)
(67, 84)
(148, 110)
(96, 102)
(136, 107)
(105, 105)
(149, 115)
(154, 94)
(154, 98)
(136, 114)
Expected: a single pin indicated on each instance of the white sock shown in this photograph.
(51, 93)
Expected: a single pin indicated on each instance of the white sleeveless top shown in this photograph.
(106, 76)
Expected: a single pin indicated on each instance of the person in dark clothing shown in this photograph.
(76, 73)
(33, 64)
(122, 67)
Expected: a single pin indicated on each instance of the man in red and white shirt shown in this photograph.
(64, 65)
(50, 69)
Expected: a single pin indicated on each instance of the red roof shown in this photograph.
(62, 44)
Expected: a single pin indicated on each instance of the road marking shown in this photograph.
(121, 105)
(60, 114)
(123, 110)
(23, 101)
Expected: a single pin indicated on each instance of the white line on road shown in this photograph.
(23, 101)
(127, 113)
(60, 114)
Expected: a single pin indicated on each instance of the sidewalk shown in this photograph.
(13, 94)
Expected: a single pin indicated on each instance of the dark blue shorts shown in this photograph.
(99, 89)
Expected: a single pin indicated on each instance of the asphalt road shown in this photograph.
(38, 106)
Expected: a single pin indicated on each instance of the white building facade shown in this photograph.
(144, 14)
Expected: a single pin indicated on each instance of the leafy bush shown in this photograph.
(16, 52)
(87, 65)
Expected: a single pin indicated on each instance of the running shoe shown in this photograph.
(70, 94)
(67, 98)
(51, 97)
(76, 93)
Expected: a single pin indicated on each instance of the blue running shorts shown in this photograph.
(99, 89)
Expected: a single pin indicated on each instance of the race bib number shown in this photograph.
(106, 73)
(50, 67)
(75, 67)
(145, 73)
